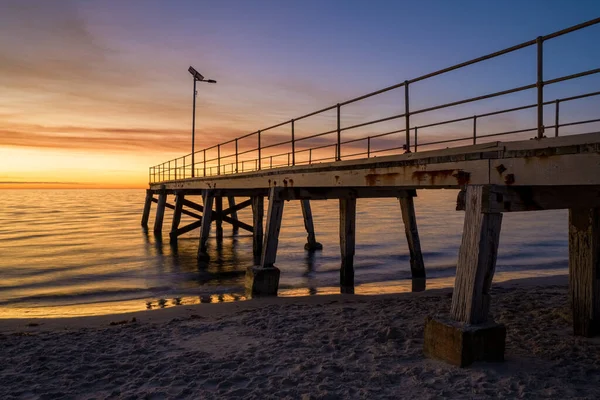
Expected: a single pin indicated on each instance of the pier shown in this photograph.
(546, 167)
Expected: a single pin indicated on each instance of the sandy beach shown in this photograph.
(338, 346)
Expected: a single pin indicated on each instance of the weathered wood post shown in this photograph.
(471, 335)
(231, 202)
(258, 205)
(311, 241)
(584, 268)
(160, 210)
(417, 267)
(207, 201)
(147, 206)
(179, 197)
(219, 218)
(347, 243)
(263, 280)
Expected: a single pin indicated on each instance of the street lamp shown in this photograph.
(197, 78)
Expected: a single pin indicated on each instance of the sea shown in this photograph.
(75, 252)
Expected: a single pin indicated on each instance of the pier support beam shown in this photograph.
(160, 210)
(263, 280)
(231, 202)
(470, 335)
(584, 267)
(311, 241)
(219, 219)
(179, 198)
(417, 267)
(347, 243)
(258, 211)
(147, 205)
(207, 201)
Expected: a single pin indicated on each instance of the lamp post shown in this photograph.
(198, 77)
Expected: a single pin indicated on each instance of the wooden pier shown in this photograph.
(539, 173)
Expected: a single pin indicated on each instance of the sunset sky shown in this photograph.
(92, 93)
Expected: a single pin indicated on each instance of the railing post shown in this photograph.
(369, 147)
(236, 155)
(259, 155)
(175, 169)
(339, 134)
(540, 87)
(271, 162)
(169, 175)
(204, 163)
(474, 129)
(293, 147)
(288, 163)
(309, 156)
(556, 118)
(154, 174)
(150, 175)
(407, 116)
(219, 159)
(183, 167)
(416, 139)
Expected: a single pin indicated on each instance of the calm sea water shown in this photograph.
(76, 252)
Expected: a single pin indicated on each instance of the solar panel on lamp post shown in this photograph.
(198, 77)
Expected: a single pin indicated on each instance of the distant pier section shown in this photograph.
(541, 165)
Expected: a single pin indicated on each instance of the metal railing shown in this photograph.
(256, 159)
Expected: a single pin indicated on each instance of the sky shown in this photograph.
(92, 93)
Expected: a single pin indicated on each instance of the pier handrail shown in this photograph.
(181, 168)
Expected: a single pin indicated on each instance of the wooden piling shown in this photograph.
(470, 336)
(231, 202)
(271, 240)
(219, 218)
(476, 260)
(258, 204)
(207, 200)
(584, 267)
(347, 243)
(147, 206)
(311, 241)
(179, 197)
(263, 280)
(160, 210)
(417, 267)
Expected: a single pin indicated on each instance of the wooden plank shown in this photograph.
(177, 212)
(476, 260)
(347, 243)
(192, 205)
(417, 267)
(311, 240)
(218, 217)
(234, 208)
(207, 198)
(214, 215)
(232, 211)
(185, 229)
(258, 204)
(325, 193)
(147, 206)
(271, 240)
(532, 198)
(160, 211)
(584, 267)
(183, 211)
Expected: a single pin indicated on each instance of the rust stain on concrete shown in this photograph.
(462, 177)
(509, 179)
(388, 179)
